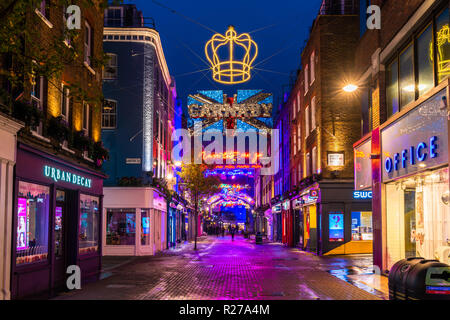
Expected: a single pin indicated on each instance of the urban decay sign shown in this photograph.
(58, 175)
(416, 141)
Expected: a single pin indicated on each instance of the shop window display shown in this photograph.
(32, 223)
(418, 217)
(89, 224)
(121, 227)
(362, 226)
(145, 227)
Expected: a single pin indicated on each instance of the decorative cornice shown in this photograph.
(155, 41)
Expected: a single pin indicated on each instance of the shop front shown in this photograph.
(415, 184)
(286, 220)
(277, 222)
(57, 220)
(8, 137)
(331, 221)
(134, 222)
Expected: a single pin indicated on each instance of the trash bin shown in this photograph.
(428, 280)
(397, 277)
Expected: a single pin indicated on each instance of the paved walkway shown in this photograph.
(225, 269)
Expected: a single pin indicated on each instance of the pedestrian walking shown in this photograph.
(232, 231)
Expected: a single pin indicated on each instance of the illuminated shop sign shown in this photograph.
(336, 226)
(416, 141)
(412, 155)
(58, 175)
(362, 195)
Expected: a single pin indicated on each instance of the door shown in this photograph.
(60, 239)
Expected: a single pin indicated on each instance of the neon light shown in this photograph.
(231, 71)
(58, 175)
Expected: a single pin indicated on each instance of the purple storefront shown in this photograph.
(57, 218)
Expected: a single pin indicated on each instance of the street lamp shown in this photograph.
(350, 88)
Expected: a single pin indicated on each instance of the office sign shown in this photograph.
(417, 141)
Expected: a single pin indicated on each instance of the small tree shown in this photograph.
(198, 186)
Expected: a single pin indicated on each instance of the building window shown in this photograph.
(111, 68)
(121, 227)
(145, 227)
(443, 45)
(306, 79)
(89, 224)
(86, 110)
(406, 76)
(425, 61)
(88, 35)
(308, 164)
(314, 160)
(362, 226)
(37, 98)
(412, 72)
(307, 126)
(417, 217)
(313, 113)
(65, 102)
(113, 17)
(392, 89)
(313, 66)
(109, 114)
(33, 210)
(299, 136)
(295, 142)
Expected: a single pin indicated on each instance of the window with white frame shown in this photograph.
(294, 109)
(314, 160)
(109, 114)
(37, 99)
(306, 79)
(111, 67)
(298, 101)
(313, 113)
(313, 66)
(295, 142)
(86, 110)
(307, 127)
(299, 136)
(87, 43)
(308, 164)
(65, 102)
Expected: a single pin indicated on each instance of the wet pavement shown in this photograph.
(239, 269)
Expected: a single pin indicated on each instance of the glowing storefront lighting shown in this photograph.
(231, 71)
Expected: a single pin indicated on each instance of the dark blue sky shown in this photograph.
(287, 22)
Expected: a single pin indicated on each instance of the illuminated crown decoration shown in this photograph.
(232, 70)
(442, 40)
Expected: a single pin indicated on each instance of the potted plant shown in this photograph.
(80, 142)
(27, 113)
(99, 153)
(57, 130)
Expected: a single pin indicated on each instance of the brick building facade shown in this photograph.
(58, 184)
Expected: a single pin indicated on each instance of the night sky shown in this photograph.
(285, 26)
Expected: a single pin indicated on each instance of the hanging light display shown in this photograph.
(232, 70)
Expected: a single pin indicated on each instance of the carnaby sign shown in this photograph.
(253, 107)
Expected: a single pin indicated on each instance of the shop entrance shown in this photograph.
(60, 238)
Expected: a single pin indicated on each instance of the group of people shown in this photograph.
(217, 230)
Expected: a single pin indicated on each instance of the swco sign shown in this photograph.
(59, 175)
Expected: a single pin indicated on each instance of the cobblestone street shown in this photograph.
(225, 269)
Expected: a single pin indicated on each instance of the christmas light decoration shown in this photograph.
(231, 70)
